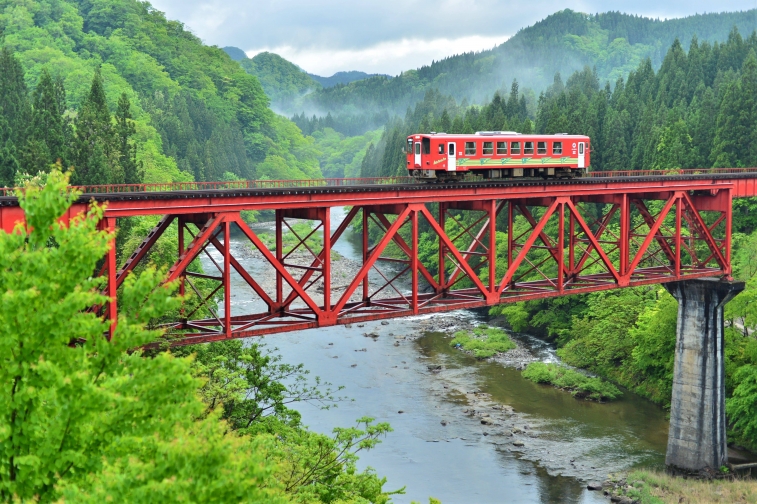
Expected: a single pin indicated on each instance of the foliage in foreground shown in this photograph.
(649, 487)
(483, 341)
(579, 385)
(83, 418)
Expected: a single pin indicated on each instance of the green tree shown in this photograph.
(49, 133)
(735, 138)
(14, 114)
(89, 419)
(9, 164)
(95, 151)
(127, 148)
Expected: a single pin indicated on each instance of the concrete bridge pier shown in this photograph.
(697, 437)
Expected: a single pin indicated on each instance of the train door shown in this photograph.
(581, 155)
(451, 157)
(417, 154)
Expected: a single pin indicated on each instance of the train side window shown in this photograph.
(528, 148)
(541, 148)
(441, 148)
(515, 148)
(557, 148)
(451, 149)
(426, 145)
(409, 145)
(488, 148)
(502, 148)
(470, 148)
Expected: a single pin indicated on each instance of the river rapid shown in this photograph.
(465, 431)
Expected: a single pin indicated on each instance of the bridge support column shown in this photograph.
(697, 436)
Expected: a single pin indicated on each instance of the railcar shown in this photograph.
(496, 155)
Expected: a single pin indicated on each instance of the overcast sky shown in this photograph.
(388, 36)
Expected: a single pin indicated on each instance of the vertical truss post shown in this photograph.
(492, 295)
(279, 259)
(414, 260)
(327, 259)
(227, 277)
(366, 286)
(182, 283)
(728, 223)
(571, 243)
(442, 250)
(509, 234)
(561, 249)
(110, 223)
(625, 234)
(327, 315)
(679, 205)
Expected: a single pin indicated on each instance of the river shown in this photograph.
(436, 449)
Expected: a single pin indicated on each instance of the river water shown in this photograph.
(437, 450)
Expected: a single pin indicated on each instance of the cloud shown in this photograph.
(390, 57)
(355, 31)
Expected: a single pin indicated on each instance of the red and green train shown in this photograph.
(496, 155)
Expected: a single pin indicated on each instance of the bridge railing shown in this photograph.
(236, 184)
(674, 172)
(347, 182)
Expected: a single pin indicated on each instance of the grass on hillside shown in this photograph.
(483, 341)
(579, 385)
(659, 488)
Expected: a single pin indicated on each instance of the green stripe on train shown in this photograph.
(516, 162)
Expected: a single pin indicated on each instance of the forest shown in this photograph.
(194, 113)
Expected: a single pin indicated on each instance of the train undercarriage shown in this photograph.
(442, 176)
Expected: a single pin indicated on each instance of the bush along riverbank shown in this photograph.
(579, 385)
(483, 341)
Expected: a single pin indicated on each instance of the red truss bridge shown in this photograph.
(494, 242)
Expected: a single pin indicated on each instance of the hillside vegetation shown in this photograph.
(196, 113)
(564, 42)
(282, 80)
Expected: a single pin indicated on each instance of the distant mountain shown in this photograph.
(282, 80)
(342, 78)
(612, 42)
(235, 53)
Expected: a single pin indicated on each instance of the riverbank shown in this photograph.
(650, 487)
(556, 446)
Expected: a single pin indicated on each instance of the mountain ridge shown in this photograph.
(563, 42)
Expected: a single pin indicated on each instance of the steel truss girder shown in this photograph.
(550, 246)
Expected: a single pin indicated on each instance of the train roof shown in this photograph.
(485, 134)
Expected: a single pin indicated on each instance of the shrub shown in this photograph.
(579, 385)
(483, 341)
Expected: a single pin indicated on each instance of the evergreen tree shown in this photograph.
(49, 133)
(14, 115)
(95, 148)
(615, 155)
(734, 134)
(125, 131)
(8, 157)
